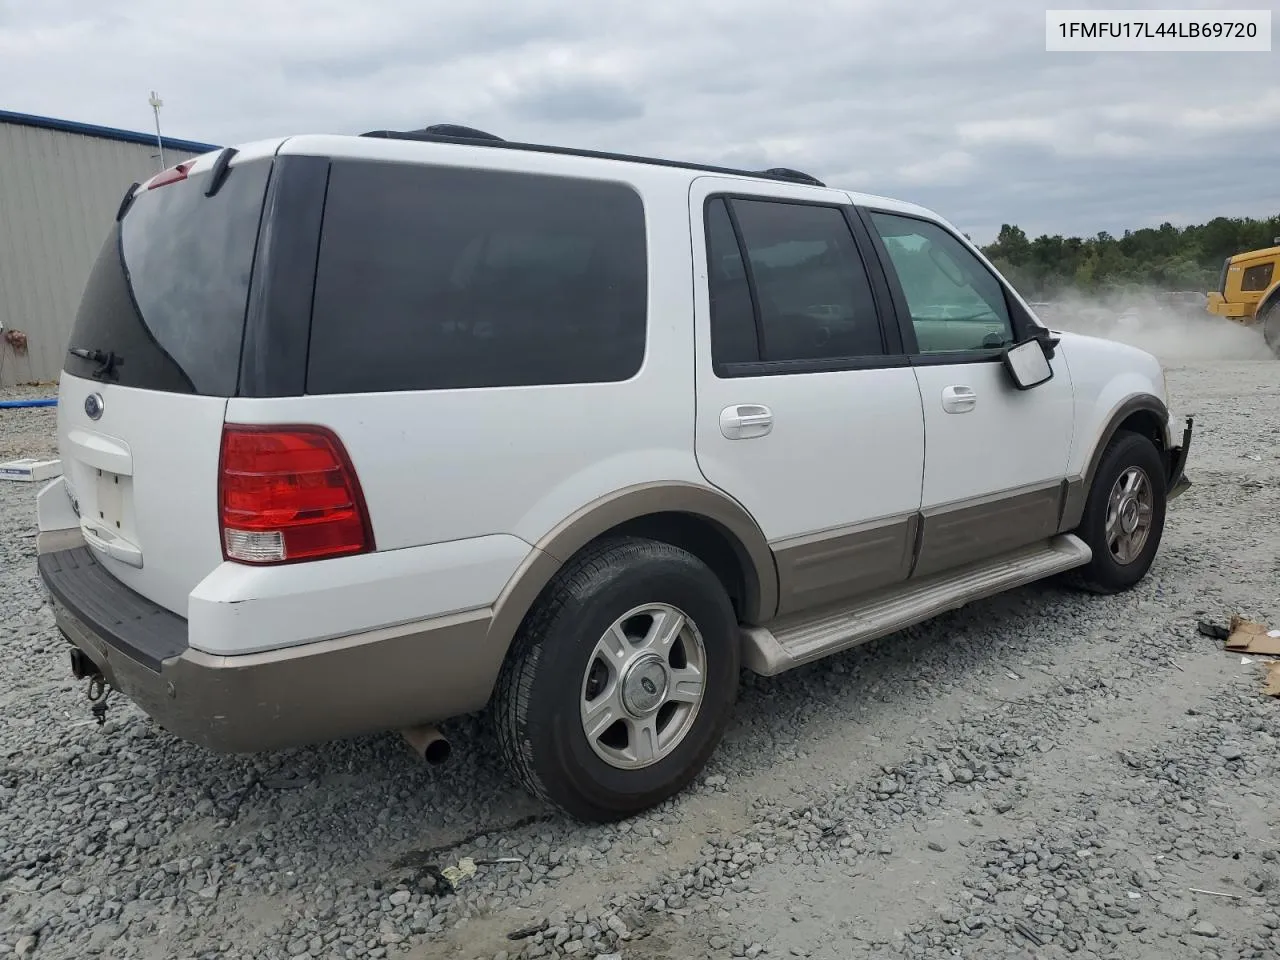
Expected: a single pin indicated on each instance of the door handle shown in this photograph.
(958, 399)
(744, 421)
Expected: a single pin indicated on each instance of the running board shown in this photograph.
(802, 638)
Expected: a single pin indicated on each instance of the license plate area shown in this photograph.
(108, 523)
(110, 502)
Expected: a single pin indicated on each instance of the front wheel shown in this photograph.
(1270, 321)
(621, 681)
(1123, 519)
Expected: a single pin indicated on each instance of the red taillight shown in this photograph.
(172, 175)
(287, 494)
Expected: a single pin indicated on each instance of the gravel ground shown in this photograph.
(1040, 775)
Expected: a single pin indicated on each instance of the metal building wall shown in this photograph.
(58, 194)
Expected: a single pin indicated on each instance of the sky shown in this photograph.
(953, 105)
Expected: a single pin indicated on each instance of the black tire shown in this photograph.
(537, 702)
(1104, 573)
(1269, 319)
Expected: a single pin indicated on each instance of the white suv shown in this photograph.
(361, 433)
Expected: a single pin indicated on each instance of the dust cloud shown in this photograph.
(1171, 328)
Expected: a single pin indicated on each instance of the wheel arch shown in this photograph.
(1269, 300)
(1141, 413)
(711, 525)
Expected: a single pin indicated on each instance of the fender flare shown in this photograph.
(1269, 299)
(554, 549)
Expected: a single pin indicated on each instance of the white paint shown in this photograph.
(844, 447)
(1010, 438)
(1105, 374)
(164, 447)
(239, 609)
(440, 465)
(460, 483)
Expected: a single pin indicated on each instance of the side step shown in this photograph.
(802, 638)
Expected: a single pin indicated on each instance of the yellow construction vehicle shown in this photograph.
(1249, 292)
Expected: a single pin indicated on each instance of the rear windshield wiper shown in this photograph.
(107, 362)
(221, 167)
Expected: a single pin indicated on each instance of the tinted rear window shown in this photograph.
(169, 290)
(434, 278)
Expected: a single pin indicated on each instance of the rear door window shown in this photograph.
(812, 294)
(733, 323)
(434, 278)
(168, 293)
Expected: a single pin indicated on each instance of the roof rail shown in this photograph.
(787, 173)
(456, 133)
(452, 131)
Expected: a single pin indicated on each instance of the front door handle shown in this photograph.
(744, 421)
(958, 399)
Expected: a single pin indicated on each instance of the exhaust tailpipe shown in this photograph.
(428, 743)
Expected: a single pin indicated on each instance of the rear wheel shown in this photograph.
(621, 681)
(1123, 518)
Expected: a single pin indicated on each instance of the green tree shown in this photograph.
(1165, 257)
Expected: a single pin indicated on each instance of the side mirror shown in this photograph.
(1027, 364)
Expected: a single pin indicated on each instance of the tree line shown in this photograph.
(1165, 257)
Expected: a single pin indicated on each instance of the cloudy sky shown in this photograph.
(954, 105)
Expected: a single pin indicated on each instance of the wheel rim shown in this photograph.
(643, 686)
(1130, 510)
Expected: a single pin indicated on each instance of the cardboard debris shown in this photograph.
(1272, 689)
(1251, 640)
(1250, 637)
(30, 470)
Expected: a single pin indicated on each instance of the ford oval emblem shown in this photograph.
(93, 405)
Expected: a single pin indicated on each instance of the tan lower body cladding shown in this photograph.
(834, 565)
(384, 680)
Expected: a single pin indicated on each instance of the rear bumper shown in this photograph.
(384, 680)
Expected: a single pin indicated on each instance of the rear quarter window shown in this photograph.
(435, 278)
(169, 290)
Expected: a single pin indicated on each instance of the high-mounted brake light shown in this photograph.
(287, 494)
(172, 175)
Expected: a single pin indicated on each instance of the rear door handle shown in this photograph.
(958, 399)
(745, 421)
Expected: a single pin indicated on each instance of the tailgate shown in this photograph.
(144, 480)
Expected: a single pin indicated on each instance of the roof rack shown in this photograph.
(456, 133)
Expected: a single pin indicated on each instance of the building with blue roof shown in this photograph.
(61, 183)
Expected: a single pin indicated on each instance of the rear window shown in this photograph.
(168, 293)
(436, 278)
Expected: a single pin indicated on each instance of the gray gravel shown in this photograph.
(1041, 775)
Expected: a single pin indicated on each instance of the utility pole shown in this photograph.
(156, 104)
